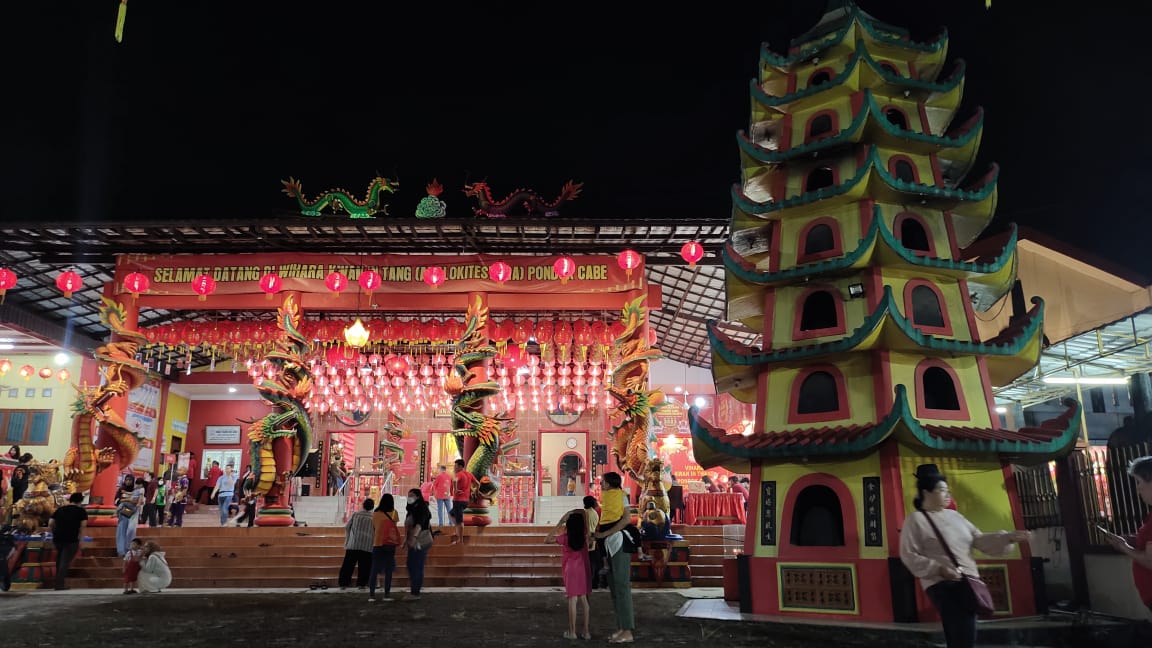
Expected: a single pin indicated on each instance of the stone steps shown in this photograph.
(495, 556)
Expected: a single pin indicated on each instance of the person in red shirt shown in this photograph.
(1139, 546)
(210, 482)
(442, 492)
(461, 493)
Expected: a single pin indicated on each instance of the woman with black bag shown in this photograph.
(418, 538)
(936, 546)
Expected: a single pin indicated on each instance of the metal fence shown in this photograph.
(1108, 495)
(1036, 486)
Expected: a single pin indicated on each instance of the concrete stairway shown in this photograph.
(319, 511)
(496, 556)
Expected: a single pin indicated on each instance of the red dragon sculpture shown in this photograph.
(526, 200)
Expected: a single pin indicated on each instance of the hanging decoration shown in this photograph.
(136, 283)
(369, 280)
(7, 280)
(121, 16)
(431, 206)
(336, 282)
(69, 282)
(5, 366)
(203, 286)
(520, 201)
(340, 200)
(565, 267)
(356, 335)
(271, 284)
(26, 371)
(628, 260)
(692, 252)
(46, 372)
(434, 276)
(500, 272)
(64, 375)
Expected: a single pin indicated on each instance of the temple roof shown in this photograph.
(861, 72)
(873, 180)
(887, 328)
(847, 21)
(989, 278)
(956, 149)
(1052, 438)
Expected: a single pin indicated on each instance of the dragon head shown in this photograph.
(386, 184)
(476, 189)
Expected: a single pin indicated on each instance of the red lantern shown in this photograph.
(500, 272)
(452, 330)
(544, 331)
(629, 260)
(522, 331)
(203, 285)
(69, 282)
(434, 276)
(271, 284)
(136, 283)
(7, 280)
(46, 372)
(26, 371)
(5, 366)
(434, 331)
(582, 332)
(563, 334)
(616, 330)
(336, 282)
(64, 375)
(692, 252)
(369, 280)
(565, 267)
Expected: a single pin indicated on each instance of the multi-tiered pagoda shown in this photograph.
(852, 250)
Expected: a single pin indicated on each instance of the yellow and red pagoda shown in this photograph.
(853, 250)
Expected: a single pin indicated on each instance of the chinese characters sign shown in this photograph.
(873, 515)
(768, 513)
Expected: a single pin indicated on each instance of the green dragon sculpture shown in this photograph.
(635, 403)
(468, 418)
(282, 440)
(340, 200)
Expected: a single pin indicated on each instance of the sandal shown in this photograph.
(587, 636)
(569, 635)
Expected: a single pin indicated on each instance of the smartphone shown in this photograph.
(1104, 531)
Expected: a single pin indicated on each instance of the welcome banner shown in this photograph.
(238, 274)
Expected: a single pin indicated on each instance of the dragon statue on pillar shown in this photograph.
(525, 199)
(282, 440)
(468, 417)
(93, 418)
(635, 404)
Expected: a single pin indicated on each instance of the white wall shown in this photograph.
(1110, 586)
(671, 372)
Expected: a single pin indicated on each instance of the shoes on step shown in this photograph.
(371, 599)
(587, 636)
(414, 597)
(387, 599)
(569, 635)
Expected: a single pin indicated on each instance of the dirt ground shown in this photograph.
(334, 618)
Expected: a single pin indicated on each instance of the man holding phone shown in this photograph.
(1139, 546)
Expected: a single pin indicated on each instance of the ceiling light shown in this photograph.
(61, 359)
(231, 390)
(1066, 380)
(356, 335)
(5, 346)
(6, 340)
(700, 402)
(1000, 409)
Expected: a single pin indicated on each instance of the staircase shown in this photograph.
(298, 557)
(317, 511)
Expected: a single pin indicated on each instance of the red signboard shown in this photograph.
(237, 274)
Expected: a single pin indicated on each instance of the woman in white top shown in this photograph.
(154, 572)
(928, 560)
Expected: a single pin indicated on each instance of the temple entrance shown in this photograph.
(571, 475)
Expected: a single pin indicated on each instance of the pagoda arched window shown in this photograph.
(820, 77)
(819, 178)
(896, 117)
(938, 394)
(818, 394)
(821, 125)
(903, 169)
(821, 313)
(923, 306)
(820, 239)
(912, 233)
(817, 518)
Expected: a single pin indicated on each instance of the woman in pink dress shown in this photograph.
(577, 582)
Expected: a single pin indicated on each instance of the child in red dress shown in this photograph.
(132, 565)
(577, 581)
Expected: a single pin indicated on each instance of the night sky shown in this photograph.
(206, 106)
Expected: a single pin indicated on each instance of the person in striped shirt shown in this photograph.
(358, 547)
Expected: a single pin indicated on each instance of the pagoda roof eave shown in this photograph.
(1051, 439)
(935, 93)
(885, 188)
(887, 327)
(832, 34)
(960, 146)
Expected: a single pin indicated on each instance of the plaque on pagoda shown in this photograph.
(817, 588)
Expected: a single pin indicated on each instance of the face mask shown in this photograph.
(411, 500)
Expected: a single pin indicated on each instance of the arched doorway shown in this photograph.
(571, 475)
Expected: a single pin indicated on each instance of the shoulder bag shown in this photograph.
(981, 598)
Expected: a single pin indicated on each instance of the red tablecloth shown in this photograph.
(715, 509)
